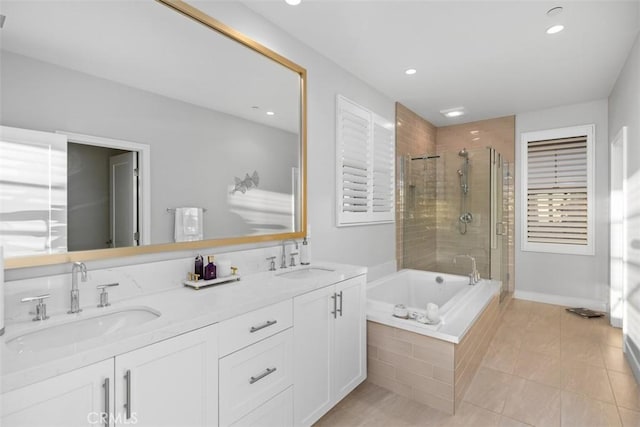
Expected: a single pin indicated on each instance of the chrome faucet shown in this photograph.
(75, 292)
(474, 276)
(283, 262)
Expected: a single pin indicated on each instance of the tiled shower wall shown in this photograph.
(449, 240)
(427, 208)
(414, 137)
(476, 136)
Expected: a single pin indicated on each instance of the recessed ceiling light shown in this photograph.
(554, 29)
(453, 112)
(410, 71)
(293, 2)
(270, 113)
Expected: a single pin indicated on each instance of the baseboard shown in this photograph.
(616, 323)
(561, 300)
(631, 353)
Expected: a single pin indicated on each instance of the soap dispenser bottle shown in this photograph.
(210, 270)
(199, 267)
(305, 253)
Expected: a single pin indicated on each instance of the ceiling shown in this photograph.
(493, 58)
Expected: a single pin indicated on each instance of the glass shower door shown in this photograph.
(419, 212)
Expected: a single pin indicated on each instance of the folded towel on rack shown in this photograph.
(188, 224)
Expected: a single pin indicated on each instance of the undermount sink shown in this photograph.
(82, 329)
(305, 273)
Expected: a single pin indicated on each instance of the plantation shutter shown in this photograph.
(365, 149)
(558, 194)
(383, 168)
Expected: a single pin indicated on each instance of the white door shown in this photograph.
(350, 337)
(123, 200)
(312, 355)
(170, 383)
(82, 397)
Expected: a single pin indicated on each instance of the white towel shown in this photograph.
(188, 224)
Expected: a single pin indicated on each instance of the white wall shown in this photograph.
(568, 279)
(365, 245)
(624, 110)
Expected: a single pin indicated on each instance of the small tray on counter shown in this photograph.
(204, 283)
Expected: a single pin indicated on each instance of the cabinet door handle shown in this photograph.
(264, 325)
(340, 309)
(335, 305)
(260, 376)
(107, 404)
(127, 403)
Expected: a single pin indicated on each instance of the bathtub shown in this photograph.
(431, 364)
(460, 303)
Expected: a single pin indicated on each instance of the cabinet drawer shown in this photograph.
(252, 327)
(252, 376)
(277, 412)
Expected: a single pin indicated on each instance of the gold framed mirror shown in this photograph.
(208, 125)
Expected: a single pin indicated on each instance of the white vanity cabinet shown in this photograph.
(256, 367)
(329, 347)
(77, 398)
(169, 383)
(280, 365)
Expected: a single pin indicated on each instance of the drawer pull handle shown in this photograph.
(340, 309)
(257, 378)
(264, 325)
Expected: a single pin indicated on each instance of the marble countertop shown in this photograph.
(182, 310)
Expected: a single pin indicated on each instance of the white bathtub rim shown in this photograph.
(384, 306)
(460, 318)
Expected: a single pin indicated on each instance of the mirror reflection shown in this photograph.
(154, 130)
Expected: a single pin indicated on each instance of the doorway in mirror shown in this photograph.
(102, 197)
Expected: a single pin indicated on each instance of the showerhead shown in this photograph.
(463, 153)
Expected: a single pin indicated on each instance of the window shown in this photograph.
(365, 159)
(557, 190)
(33, 184)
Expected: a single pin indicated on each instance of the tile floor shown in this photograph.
(544, 367)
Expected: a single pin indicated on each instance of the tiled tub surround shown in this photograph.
(433, 365)
(156, 285)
